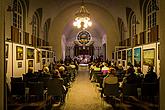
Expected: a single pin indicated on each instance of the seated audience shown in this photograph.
(151, 76)
(29, 74)
(105, 69)
(111, 78)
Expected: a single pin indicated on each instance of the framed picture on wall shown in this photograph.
(43, 61)
(123, 63)
(19, 53)
(38, 54)
(148, 56)
(113, 56)
(119, 55)
(30, 53)
(6, 50)
(30, 63)
(48, 53)
(129, 57)
(137, 57)
(19, 64)
(124, 55)
(43, 54)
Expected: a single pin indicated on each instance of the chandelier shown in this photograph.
(82, 18)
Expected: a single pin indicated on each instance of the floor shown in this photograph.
(83, 95)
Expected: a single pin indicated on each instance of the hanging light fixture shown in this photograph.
(82, 18)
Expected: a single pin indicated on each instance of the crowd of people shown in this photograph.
(110, 73)
(61, 73)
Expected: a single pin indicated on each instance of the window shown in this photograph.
(133, 26)
(46, 30)
(35, 26)
(122, 33)
(151, 17)
(18, 18)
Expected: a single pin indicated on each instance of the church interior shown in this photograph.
(82, 54)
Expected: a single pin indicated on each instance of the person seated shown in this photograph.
(105, 69)
(131, 77)
(151, 76)
(120, 72)
(111, 78)
(29, 76)
(60, 83)
(95, 71)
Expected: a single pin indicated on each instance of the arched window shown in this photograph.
(133, 25)
(132, 28)
(18, 18)
(46, 30)
(122, 33)
(151, 18)
(35, 26)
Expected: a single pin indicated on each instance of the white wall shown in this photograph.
(149, 46)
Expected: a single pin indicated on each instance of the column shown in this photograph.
(2, 73)
(162, 54)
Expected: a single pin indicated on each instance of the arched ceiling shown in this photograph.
(104, 14)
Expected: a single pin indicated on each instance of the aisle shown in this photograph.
(83, 94)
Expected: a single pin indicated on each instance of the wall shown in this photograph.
(162, 53)
(144, 67)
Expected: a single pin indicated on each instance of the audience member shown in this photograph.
(151, 76)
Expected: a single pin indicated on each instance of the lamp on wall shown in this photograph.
(82, 18)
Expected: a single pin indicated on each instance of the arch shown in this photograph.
(106, 20)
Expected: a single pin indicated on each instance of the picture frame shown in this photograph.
(149, 57)
(30, 63)
(30, 53)
(124, 55)
(43, 61)
(43, 54)
(119, 54)
(137, 57)
(6, 50)
(19, 53)
(129, 57)
(113, 56)
(19, 64)
(48, 54)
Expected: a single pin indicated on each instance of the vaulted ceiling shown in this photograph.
(104, 14)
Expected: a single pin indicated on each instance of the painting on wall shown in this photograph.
(113, 56)
(19, 64)
(43, 54)
(123, 63)
(30, 53)
(43, 61)
(48, 53)
(119, 55)
(38, 56)
(6, 50)
(30, 63)
(124, 55)
(129, 57)
(137, 57)
(19, 53)
(148, 56)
